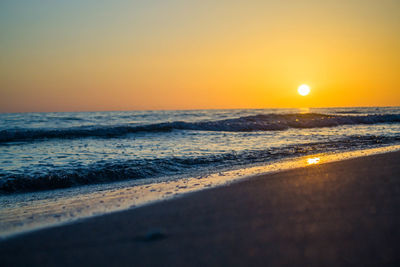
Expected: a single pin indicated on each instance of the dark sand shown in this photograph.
(341, 213)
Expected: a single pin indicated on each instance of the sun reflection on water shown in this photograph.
(313, 160)
(304, 110)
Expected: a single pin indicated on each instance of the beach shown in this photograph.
(200, 133)
(339, 213)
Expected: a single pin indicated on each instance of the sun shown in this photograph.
(304, 89)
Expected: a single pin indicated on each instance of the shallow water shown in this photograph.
(60, 167)
(42, 151)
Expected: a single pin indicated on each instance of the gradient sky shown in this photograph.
(161, 54)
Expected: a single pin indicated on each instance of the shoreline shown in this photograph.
(343, 212)
(57, 210)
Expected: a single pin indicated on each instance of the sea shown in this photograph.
(46, 158)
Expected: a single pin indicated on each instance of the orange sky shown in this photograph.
(116, 55)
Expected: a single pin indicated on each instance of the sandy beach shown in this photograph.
(200, 133)
(340, 213)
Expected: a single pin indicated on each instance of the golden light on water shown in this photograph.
(304, 110)
(304, 89)
(313, 160)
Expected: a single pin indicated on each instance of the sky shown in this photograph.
(169, 54)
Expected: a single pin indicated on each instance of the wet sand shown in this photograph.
(340, 213)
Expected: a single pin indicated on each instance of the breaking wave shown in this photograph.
(262, 122)
(118, 170)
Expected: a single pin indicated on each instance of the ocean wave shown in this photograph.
(349, 112)
(262, 122)
(53, 177)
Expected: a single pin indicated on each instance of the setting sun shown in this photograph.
(303, 89)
